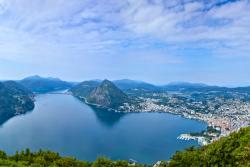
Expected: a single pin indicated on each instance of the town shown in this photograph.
(225, 111)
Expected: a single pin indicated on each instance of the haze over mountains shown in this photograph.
(136, 96)
(40, 84)
(16, 97)
(43, 85)
(105, 93)
(126, 84)
(115, 94)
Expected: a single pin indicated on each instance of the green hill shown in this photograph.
(14, 99)
(231, 151)
(83, 89)
(52, 159)
(107, 95)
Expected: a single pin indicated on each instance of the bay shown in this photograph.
(64, 124)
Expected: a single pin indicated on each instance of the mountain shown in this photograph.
(125, 84)
(186, 84)
(107, 95)
(233, 150)
(14, 99)
(83, 89)
(191, 87)
(42, 85)
(242, 89)
(177, 86)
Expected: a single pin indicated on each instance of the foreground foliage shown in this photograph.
(231, 151)
(52, 159)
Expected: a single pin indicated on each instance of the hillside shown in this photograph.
(84, 88)
(52, 159)
(14, 99)
(233, 150)
(107, 95)
(42, 85)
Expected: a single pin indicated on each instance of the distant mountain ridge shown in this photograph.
(42, 85)
(125, 84)
(45, 84)
(88, 89)
(178, 86)
(186, 84)
(37, 77)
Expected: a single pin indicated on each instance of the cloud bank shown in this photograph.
(154, 40)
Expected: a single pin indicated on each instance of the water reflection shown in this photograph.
(106, 117)
(3, 119)
(64, 124)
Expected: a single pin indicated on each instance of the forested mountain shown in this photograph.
(129, 85)
(107, 95)
(42, 85)
(14, 99)
(124, 84)
(83, 89)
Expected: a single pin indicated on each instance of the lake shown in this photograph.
(63, 124)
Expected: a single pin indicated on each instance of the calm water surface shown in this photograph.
(64, 124)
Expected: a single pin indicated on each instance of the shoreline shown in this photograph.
(214, 121)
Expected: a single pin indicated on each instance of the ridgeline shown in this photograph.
(39, 84)
(104, 94)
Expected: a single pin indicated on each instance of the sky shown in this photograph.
(158, 41)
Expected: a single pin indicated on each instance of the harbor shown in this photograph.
(201, 140)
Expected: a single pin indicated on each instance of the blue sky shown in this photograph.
(158, 41)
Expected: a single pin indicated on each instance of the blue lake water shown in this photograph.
(64, 124)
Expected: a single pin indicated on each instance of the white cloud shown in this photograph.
(169, 21)
(86, 32)
(190, 21)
